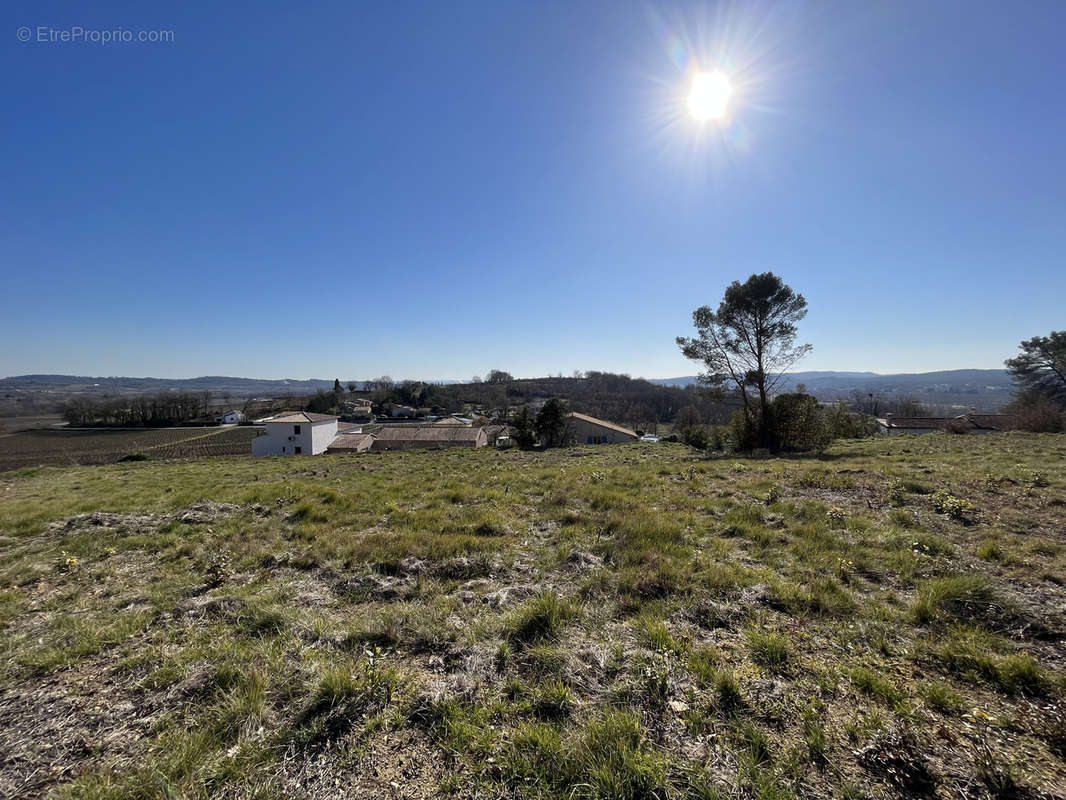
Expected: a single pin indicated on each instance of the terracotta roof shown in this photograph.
(428, 433)
(603, 423)
(348, 442)
(298, 417)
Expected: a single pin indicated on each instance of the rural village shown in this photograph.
(769, 502)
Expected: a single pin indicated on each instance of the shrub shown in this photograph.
(1036, 413)
(696, 436)
(797, 424)
(943, 698)
(616, 762)
(989, 550)
(768, 648)
(727, 689)
(553, 701)
(954, 507)
(540, 619)
(743, 431)
(965, 597)
(970, 655)
(869, 682)
(841, 423)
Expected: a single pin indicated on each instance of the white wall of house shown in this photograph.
(322, 435)
(230, 418)
(290, 439)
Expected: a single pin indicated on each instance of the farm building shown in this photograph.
(359, 407)
(410, 437)
(232, 417)
(589, 430)
(963, 423)
(351, 443)
(294, 433)
(498, 434)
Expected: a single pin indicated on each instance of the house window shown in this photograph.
(283, 448)
(296, 429)
(298, 449)
(589, 440)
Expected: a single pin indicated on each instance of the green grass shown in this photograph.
(768, 648)
(540, 619)
(599, 622)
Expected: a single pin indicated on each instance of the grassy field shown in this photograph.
(635, 621)
(28, 448)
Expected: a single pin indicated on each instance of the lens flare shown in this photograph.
(709, 98)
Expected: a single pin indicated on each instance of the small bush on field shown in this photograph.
(897, 493)
(971, 655)
(540, 619)
(964, 597)
(656, 635)
(703, 664)
(554, 700)
(727, 689)
(768, 648)
(989, 550)
(135, 457)
(343, 698)
(1031, 477)
(954, 507)
(943, 698)
(836, 516)
(871, 683)
(615, 761)
(696, 436)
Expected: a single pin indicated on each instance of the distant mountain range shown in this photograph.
(957, 379)
(985, 389)
(216, 384)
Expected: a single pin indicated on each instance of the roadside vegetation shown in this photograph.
(881, 620)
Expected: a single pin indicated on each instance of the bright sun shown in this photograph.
(709, 98)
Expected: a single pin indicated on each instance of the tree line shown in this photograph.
(158, 411)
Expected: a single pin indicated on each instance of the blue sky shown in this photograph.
(436, 189)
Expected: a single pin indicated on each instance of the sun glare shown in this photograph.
(709, 98)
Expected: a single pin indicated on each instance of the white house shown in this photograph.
(232, 417)
(293, 433)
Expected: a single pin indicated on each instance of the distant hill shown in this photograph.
(216, 384)
(984, 389)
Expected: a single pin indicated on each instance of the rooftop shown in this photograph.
(603, 423)
(351, 441)
(298, 417)
(428, 433)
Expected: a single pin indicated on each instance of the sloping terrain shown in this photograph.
(885, 620)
